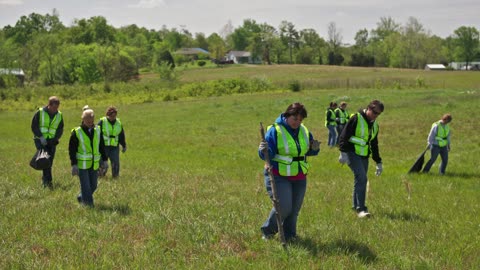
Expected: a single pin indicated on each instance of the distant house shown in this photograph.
(17, 72)
(242, 57)
(475, 65)
(434, 67)
(192, 52)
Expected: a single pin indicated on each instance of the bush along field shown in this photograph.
(190, 193)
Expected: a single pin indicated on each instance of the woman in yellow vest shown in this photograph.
(47, 128)
(331, 124)
(342, 117)
(358, 140)
(439, 143)
(87, 155)
(289, 143)
(113, 137)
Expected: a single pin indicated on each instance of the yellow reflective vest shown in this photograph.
(343, 115)
(330, 121)
(48, 126)
(442, 133)
(111, 132)
(289, 159)
(363, 136)
(88, 152)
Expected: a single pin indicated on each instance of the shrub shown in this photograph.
(294, 86)
(201, 63)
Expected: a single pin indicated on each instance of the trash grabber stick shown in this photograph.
(275, 200)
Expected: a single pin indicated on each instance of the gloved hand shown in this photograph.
(74, 170)
(315, 145)
(43, 141)
(343, 158)
(263, 145)
(124, 149)
(379, 170)
(104, 165)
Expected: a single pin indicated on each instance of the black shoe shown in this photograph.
(79, 198)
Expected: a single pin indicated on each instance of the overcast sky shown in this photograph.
(440, 17)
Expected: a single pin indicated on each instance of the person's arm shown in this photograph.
(374, 148)
(59, 132)
(101, 147)
(431, 136)
(121, 138)
(35, 126)
(271, 139)
(72, 148)
(312, 152)
(347, 132)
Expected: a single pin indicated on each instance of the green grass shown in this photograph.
(191, 192)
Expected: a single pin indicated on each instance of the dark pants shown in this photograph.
(434, 152)
(113, 153)
(88, 185)
(47, 173)
(290, 194)
(359, 167)
(339, 130)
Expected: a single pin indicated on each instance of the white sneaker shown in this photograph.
(363, 214)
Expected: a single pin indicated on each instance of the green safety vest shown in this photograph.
(362, 137)
(343, 115)
(86, 155)
(331, 121)
(288, 155)
(442, 133)
(49, 127)
(111, 132)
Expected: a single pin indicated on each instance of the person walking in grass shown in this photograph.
(113, 136)
(288, 143)
(87, 155)
(341, 117)
(439, 143)
(358, 140)
(47, 128)
(331, 124)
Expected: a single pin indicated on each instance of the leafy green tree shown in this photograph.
(216, 46)
(467, 41)
(334, 43)
(311, 39)
(290, 37)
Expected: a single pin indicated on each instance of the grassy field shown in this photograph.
(191, 192)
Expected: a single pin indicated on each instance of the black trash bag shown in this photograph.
(41, 160)
(417, 166)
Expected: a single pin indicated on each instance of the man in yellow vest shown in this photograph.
(358, 140)
(87, 155)
(331, 124)
(342, 117)
(439, 143)
(113, 136)
(289, 143)
(47, 128)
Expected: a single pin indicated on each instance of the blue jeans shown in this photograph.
(339, 131)
(88, 185)
(113, 153)
(290, 195)
(359, 167)
(434, 152)
(46, 173)
(332, 136)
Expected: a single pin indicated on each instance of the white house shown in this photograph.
(434, 67)
(475, 65)
(241, 57)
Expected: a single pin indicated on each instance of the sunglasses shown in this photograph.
(375, 112)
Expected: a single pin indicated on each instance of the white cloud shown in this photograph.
(147, 4)
(11, 2)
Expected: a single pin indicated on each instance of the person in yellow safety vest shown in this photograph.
(342, 117)
(330, 123)
(87, 154)
(113, 136)
(358, 140)
(439, 143)
(288, 143)
(47, 128)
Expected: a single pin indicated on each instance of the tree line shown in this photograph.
(91, 50)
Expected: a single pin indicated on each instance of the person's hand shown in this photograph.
(263, 146)
(448, 147)
(104, 165)
(315, 145)
(43, 141)
(429, 147)
(74, 170)
(343, 158)
(124, 149)
(379, 170)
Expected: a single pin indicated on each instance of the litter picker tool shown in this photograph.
(275, 200)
